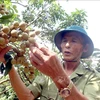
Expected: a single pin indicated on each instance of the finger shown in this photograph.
(33, 63)
(5, 50)
(34, 59)
(45, 51)
(38, 53)
(34, 45)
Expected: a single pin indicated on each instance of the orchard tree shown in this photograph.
(48, 16)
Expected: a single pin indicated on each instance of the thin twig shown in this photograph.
(5, 91)
(4, 81)
(20, 4)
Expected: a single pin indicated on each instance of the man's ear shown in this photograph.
(86, 47)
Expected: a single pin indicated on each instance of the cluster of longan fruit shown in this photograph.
(19, 37)
(3, 9)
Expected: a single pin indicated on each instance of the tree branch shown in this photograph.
(4, 81)
(20, 4)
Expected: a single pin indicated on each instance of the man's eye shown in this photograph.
(74, 40)
(64, 40)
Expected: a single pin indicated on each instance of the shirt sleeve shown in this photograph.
(36, 86)
(92, 88)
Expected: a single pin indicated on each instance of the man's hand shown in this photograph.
(3, 52)
(46, 61)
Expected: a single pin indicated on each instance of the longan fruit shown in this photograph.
(26, 63)
(32, 34)
(22, 26)
(31, 69)
(2, 5)
(16, 25)
(21, 52)
(20, 60)
(23, 46)
(13, 61)
(6, 12)
(5, 36)
(1, 32)
(26, 69)
(31, 76)
(26, 30)
(12, 39)
(37, 32)
(19, 37)
(2, 41)
(31, 39)
(14, 33)
(2, 12)
(24, 36)
(27, 43)
(15, 50)
(6, 29)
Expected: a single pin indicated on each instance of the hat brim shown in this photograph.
(58, 39)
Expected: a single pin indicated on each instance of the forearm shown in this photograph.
(62, 81)
(19, 87)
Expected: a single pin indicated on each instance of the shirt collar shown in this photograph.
(79, 71)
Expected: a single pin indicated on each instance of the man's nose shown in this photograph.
(68, 44)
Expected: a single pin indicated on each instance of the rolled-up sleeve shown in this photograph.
(36, 86)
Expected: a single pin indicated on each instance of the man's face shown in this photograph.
(72, 46)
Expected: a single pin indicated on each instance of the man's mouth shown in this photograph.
(67, 53)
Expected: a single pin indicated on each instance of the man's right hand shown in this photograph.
(3, 52)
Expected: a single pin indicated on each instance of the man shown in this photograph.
(70, 80)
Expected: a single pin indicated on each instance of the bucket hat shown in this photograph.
(75, 28)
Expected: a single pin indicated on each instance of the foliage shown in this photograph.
(50, 17)
(12, 12)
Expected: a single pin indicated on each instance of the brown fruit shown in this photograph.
(1, 32)
(19, 37)
(31, 39)
(32, 34)
(15, 50)
(2, 41)
(11, 27)
(37, 32)
(2, 12)
(26, 69)
(31, 69)
(14, 33)
(20, 53)
(24, 36)
(31, 76)
(2, 5)
(23, 46)
(27, 44)
(16, 25)
(26, 63)
(6, 29)
(26, 30)
(13, 61)
(22, 26)
(12, 39)
(5, 36)
(6, 12)
(19, 60)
